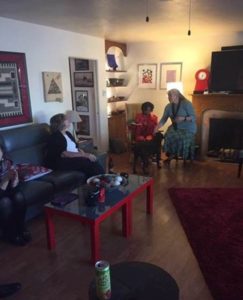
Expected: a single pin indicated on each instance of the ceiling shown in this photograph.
(124, 20)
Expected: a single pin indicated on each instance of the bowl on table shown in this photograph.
(108, 181)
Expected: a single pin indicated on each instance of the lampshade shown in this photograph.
(175, 85)
(73, 116)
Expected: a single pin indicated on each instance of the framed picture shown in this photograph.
(170, 72)
(83, 127)
(15, 107)
(81, 64)
(52, 83)
(82, 101)
(147, 75)
(83, 79)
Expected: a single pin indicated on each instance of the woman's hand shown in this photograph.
(91, 157)
(4, 181)
(14, 177)
(156, 129)
(179, 119)
(81, 153)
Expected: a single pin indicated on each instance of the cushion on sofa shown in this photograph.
(28, 172)
(36, 191)
(64, 180)
(26, 144)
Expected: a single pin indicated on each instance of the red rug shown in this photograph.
(213, 222)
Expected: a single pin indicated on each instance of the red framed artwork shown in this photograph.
(15, 107)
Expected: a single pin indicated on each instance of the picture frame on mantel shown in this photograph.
(15, 106)
(147, 76)
(170, 72)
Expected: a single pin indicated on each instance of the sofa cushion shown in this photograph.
(64, 180)
(36, 192)
(26, 144)
(28, 172)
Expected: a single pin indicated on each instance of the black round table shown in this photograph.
(139, 281)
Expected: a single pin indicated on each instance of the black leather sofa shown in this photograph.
(27, 144)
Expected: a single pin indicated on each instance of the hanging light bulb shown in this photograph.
(189, 21)
(147, 9)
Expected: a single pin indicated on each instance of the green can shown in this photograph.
(103, 280)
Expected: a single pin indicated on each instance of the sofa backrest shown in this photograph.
(26, 144)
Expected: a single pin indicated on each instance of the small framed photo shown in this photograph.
(170, 72)
(52, 82)
(83, 79)
(147, 76)
(81, 64)
(82, 101)
(83, 127)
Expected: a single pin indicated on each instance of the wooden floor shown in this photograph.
(66, 273)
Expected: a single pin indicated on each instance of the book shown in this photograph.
(63, 199)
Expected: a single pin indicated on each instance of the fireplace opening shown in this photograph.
(225, 137)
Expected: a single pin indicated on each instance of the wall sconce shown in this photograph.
(175, 85)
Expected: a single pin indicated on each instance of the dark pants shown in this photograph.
(81, 164)
(12, 214)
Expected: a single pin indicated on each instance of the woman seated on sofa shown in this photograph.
(146, 122)
(12, 205)
(63, 153)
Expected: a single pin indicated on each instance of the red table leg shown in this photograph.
(95, 241)
(127, 218)
(50, 230)
(150, 199)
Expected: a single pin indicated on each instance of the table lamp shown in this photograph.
(73, 117)
(175, 85)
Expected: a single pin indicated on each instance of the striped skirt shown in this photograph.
(179, 143)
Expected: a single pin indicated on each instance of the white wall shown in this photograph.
(48, 49)
(194, 52)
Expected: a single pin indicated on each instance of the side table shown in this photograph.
(139, 281)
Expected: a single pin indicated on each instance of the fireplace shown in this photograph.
(227, 108)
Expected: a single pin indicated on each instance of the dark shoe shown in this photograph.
(9, 289)
(26, 235)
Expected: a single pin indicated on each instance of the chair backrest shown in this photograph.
(132, 109)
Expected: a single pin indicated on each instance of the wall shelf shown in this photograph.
(115, 86)
(116, 71)
(116, 99)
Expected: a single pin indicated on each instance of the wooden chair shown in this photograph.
(131, 110)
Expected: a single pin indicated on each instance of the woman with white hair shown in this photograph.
(63, 152)
(179, 137)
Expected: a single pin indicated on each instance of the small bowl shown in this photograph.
(115, 81)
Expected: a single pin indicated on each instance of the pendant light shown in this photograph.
(147, 11)
(189, 19)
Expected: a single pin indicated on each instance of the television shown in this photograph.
(226, 72)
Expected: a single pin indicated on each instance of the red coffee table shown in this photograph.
(121, 197)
